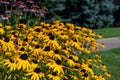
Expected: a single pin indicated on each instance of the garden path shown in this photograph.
(110, 43)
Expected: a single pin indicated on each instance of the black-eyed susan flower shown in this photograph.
(22, 62)
(2, 31)
(55, 66)
(37, 50)
(8, 27)
(21, 26)
(108, 74)
(57, 55)
(51, 41)
(53, 51)
(99, 36)
(103, 67)
(11, 64)
(54, 76)
(47, 51)
(7, 44)
(36, 73)
(102, 45)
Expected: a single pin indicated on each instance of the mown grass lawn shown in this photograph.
(112, 60)
(108, 32)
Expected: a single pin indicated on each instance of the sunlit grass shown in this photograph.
(112, 59)
(109, 32)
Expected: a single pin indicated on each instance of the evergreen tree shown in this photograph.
(87, 13)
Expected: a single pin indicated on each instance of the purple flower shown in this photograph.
(19, 13)
(8, 11)
(22, 6)
(4, 2)
(33, 10)
(4, 17)
(26, 9)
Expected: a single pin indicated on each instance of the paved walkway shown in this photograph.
(110, 43)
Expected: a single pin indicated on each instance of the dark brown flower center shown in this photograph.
(26, 39)
(13, 33)
(70, 57)
(58, 62)
(37, 30)
(83, 70)
(52, 37)
(22, 49)
(77, 67)
(47, 48)
(85, 75)
(74, 40)
(90, 66)
(24, 57)
(37, 46)
(49, 34)
(56, 51)
(6, 39)
(37, 70)
(64, 48)
(11, 61)
(54, 73)
(20, 26)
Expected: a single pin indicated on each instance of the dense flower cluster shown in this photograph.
(15, 11)
(50, 51)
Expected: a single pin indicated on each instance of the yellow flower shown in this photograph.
(99, 36)
(75, 44)
(53, 76)
(55, 65)
(87, 51)
(36, 74)
(75, 58)
(57, 55)
(22, 62)
(103, 67)
(2, 31)
(47, 51)
(102, 45)
(37, 50)
(10, 63)
(71, 62)
(21, 26)
(8, 27)
(7, 44)
(74, 77)
(51, 41)
(107, 74)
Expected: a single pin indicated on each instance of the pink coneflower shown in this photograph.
(22, 6)
(19, 13)
(44, 8)
(8, 11)
(33, 10)
(42, 13)
(4, 2)
(4, 17)
(26, 9)
(34, 6)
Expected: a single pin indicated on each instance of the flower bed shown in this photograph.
(50, 51)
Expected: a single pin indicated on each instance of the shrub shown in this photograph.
(89, 13)
(50, 51)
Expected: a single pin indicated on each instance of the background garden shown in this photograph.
(100, 16)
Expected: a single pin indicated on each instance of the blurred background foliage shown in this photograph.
(87, 13)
